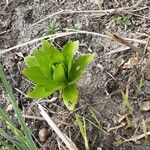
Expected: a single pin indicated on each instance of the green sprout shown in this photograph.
(82, 128)
(140, 85)
(96, 122)
(126, 102)
(144, 127)
(51, 70)
(53, 27)
(123, 20)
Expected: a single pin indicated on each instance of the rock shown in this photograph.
(145, 106)
(43, 134)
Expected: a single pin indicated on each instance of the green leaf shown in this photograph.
(75, 75)
(40, 91)
(6, 136)
(59, 74)
(11, 125)
(36, 75)
(46, 46)
(82, 62)
(7, 146)
(54, 56)
(44, 62)
(68, 52)
(82, 128)
(24, 128)
(70, 95)
(70, 49)
(31, 61)
(79, 66)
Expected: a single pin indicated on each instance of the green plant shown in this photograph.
(126, 102)
(22, 139)
(51, 70)
(129, 123)
(82, 128)
(140, 84)
(144, 127)
(53, 27)
(122, 20)
(96, 122)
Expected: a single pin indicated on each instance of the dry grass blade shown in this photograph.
(144, 128)
(107, 11)
(63, 137)
(58, 35)
(120, 49)
(122, 41)
(117, 127)
(138, 137)
(42, 119)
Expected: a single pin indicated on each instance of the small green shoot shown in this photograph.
(51, 70)
(123, 20)
(129, 123)
(53, 27)
(22, 139)
(82, 128)
(126, 101)
(96, 121)
(140, 85)
(144, 127)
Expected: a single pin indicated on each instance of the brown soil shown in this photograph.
(103, 80)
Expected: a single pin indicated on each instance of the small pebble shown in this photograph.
(43, 135)
(145, 106)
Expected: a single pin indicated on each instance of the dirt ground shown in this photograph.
(104, 79)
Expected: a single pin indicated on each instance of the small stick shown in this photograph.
(88, 11)
(58, 35)
(122, 118)
(146, 46)
(122, 41)
(54, 119)
(117, 127)
(138, 137)
(120, 49)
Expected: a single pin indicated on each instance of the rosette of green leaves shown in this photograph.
(51, 70)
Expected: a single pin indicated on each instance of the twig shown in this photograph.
(7, 2)
(120, 49)
(145, 50)
(54, 119)
(1, 33)
(52, 100)
(123, 41)
(88, 11)
(138, 137)
(122, 118)
(58, 35)
(117, 127)
(68, 142)
(105, 36)
(51, 37)
(146, 46)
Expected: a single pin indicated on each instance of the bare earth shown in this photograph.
(103, 80)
